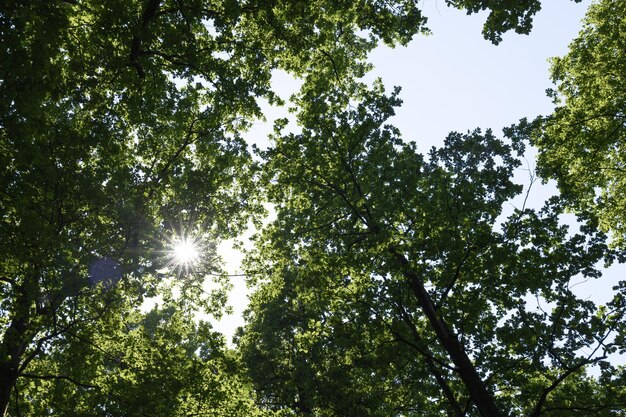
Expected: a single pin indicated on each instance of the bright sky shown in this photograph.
(452, 80)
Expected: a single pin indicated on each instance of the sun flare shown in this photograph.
(184, 255)
(186, 252)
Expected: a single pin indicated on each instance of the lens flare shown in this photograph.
(186, 252)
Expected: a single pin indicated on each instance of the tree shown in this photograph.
(118, 117)
(582, 144)
(503, 15)
(393, 271)
(159, 363)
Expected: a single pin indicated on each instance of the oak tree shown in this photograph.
(582, 143)
(120, 118)
(391, 283)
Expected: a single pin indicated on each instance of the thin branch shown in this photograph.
(58, 378)
(8, 280)
(455, 278)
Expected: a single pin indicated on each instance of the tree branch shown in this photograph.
(60, 377)
(150, 11)
(448, 339)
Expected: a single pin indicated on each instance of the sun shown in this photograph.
(185, 246)
(184, 254)
(186, 251)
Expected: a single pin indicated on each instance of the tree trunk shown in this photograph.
(11, 351)
(7, 382)
(478, 392)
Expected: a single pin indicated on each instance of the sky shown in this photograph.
(452, 80)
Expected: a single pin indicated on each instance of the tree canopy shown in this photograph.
(503, 15)
(388, 286)
(391, 283)
(582, 143)
(118, 117)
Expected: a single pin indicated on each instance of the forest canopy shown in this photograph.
(391, 282)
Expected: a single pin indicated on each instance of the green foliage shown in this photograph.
(121, 124)
(582, 144)
(121, 120)
(336, 326)
(504, 15)
(158, 363)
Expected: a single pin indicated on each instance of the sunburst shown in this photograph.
(184, 253)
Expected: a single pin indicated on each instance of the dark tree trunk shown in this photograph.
(8, 376)
(477, 390)
(12, 350)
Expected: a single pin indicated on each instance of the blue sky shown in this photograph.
(454, 80)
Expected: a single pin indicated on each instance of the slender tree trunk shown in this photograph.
(455, 409)
(478, 392)
(7, 382)
(422, 347)
(12, 349)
